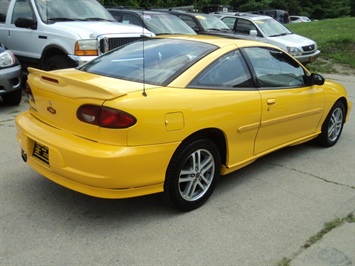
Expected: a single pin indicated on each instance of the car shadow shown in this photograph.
(62, 203)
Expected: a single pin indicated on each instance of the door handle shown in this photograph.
(271, 101)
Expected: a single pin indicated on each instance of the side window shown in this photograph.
(131, 19)
(189, 21)
(274, 68)
(227, 72)
(229, 22)
(245, 26)
(22, 9)
(116, 15)
(4, 5)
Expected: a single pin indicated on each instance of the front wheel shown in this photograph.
(57, 62)
(192, 174)
(332, 126)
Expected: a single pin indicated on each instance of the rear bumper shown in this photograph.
(91, 168)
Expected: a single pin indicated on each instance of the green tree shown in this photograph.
(317, 9)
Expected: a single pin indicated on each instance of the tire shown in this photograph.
(332, 126)
(12, 98)
(57, 62)
(192, 174)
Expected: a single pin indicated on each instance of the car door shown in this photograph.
(229, 76)
(291, 109)
(244, 26)
(20, 39)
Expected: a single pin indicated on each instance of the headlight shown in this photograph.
(86, 47)
(294, 51)
(7, 59)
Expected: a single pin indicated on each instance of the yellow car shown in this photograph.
(171, 115)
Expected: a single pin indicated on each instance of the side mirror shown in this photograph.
(316, 79)
(196, 29)
(253, 33)
(26, 23)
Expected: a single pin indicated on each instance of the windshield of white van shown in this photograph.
(52, 11)
(272, 28)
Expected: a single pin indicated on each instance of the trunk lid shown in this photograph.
(58, 95)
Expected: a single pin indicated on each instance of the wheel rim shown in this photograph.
(335, 124)
(196, 175)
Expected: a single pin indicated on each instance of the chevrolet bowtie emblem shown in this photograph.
(51, 109)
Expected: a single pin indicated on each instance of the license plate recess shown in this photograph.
(41, 152)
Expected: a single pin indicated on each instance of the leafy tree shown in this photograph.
(317, 9)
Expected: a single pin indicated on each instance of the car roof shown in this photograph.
(247, 16)
(191, 14)
(138, 11)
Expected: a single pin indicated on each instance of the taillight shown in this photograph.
(29, 93)
(105, 117)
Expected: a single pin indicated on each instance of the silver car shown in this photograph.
(299, 19)
(10, 77)
(266, 29)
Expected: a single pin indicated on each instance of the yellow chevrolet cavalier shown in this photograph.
(173, 114)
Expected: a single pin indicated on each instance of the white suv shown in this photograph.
(61, 33)
(266, 29)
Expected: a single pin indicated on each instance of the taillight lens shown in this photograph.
(105, 117)
(29, 93)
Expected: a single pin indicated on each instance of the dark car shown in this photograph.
(203, 23)
(157, 22)
(10, 77)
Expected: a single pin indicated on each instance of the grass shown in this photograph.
(335, 39)
(315, 238)
(327, 228)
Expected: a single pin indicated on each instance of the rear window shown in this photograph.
(153, 61)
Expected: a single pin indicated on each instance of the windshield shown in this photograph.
(165, 23)
(272, 28)
(153, 61)
(212, 23)
(68, 10)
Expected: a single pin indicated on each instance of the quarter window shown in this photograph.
(274, 68)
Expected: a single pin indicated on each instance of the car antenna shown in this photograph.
(144, 92)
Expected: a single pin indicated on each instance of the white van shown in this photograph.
(266, 29)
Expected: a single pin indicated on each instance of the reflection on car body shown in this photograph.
(134, 121)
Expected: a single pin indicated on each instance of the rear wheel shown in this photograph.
(332, 126)
(192, 174)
